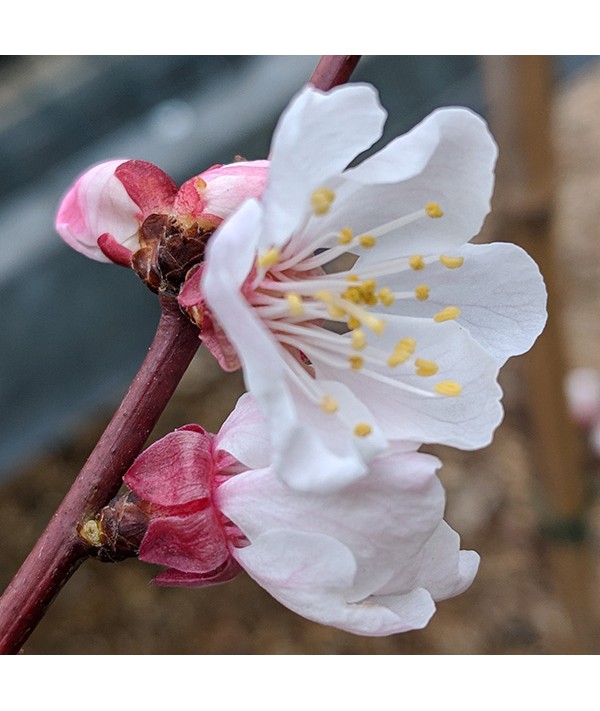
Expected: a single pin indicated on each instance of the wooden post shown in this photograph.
(520, 90)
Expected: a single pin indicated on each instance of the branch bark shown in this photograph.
(333, 69)
(60, 550)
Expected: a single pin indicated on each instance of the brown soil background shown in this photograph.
(516, 604)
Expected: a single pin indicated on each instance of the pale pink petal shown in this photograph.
(310, 574)
(244, 435)
(219, 191)
(96, 204)
(385, 519)
(443, 568)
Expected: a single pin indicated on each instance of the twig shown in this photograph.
(60, 550)
(333, 69)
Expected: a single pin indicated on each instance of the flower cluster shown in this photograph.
(365, 326)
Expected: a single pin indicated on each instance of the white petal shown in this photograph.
(466, 421)
(443, 569)
(499, 290)
(245, 436)
(448, 158)
(309, 573)
(384, 519)
(318, 135)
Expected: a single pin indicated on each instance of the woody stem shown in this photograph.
(333, 69)
(60, 550)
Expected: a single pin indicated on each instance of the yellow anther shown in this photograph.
(425, 367)
(321, 200)
(329, 404)
(353, 323)
(451, 262)
(358, 338)
(352, 293)
(449, 388)
(433, 209)
(397, 358)
(295, 304)
(403, 350)
(268, 259)
(346, 236)
(386, 296)
(369, 284)
(367, 292)
(200, 185)
(416, 262)
(447, 314)
(356, 362)
(362, 429)
(406, 344)
(422, 292)
(367, 241)
(352, 277)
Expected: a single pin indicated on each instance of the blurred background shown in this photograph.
(74, 332)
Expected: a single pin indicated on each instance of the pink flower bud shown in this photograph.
(103, 213)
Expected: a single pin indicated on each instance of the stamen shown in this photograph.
(367, 241)
(268, 259)
(321, 200)
(451, 262)
(362, 429)
(358, 338)
(346, 236)
(329, 404)
(416, 262)
(200, 185)
(433, 209)
(353, 323)
(295, 305)
(447, 314)
(352, 293)
(449, 388)
(356, 362)
(403, 350)
(422, 292)
(364, 317)
(425, 368)
(352, 277)
(386, 296)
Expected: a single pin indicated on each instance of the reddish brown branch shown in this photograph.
(334, 69)
(60, 550)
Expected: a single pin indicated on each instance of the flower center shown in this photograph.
(299, 288)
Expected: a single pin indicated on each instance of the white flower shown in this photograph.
(428, 319)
